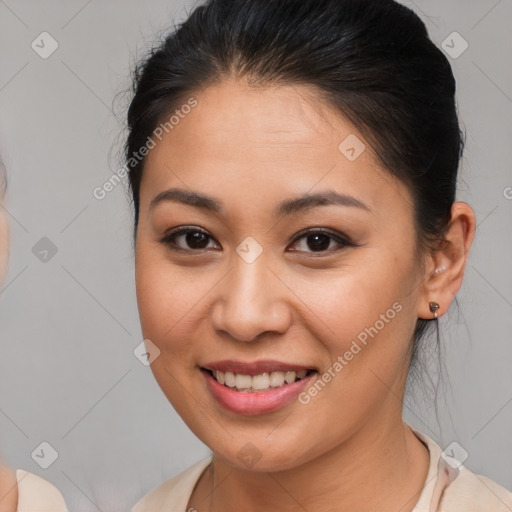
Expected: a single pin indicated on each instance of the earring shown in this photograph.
(438, 270)
(434, 306)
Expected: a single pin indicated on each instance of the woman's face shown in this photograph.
(254, 281)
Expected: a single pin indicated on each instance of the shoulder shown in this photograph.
(472, 492)
(35, 494)
(173, 494)
(452, 487)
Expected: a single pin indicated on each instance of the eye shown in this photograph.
(196, 239)
(319, 241)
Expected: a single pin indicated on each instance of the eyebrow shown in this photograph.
(286, 207)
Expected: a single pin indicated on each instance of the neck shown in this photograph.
(382, 466)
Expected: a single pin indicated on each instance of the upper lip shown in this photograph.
(254, 367)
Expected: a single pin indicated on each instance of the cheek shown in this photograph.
(348, 301)
(166, 311)
(366, 346)
(169, 302)
(365, 319)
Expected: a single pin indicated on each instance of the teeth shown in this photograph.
(258, 382)
(229, 378)
(276, 379)
(242, 381)
(289, 377)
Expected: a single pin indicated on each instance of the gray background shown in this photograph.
(69, 325)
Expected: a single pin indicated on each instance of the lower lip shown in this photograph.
(255, 402)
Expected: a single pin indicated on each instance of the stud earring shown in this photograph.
(434, 306)
(438, 270)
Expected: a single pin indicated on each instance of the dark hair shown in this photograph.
(371, 59)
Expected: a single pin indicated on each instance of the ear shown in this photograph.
(449, 260)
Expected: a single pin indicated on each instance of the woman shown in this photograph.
(293, 167)
(20, 490)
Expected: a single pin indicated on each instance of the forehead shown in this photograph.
(265, 142)
(232, 113)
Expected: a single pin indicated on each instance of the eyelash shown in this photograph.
(169, 240)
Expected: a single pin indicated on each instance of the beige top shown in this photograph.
(449, 487)
(35, 494)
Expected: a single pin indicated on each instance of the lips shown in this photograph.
(262, 397)
(256, 387)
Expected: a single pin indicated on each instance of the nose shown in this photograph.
(251, 301)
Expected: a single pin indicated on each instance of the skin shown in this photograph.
(348, 449)
(8, 483)
(8, 489)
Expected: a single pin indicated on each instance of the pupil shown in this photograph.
(195, 239)
(320, 245)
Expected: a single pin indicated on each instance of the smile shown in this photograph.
(258, 383)
(248, 389)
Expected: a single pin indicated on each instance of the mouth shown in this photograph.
(256, 387)
(260, 382)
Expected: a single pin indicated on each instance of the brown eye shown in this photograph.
(318, 241)
(192, 239)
